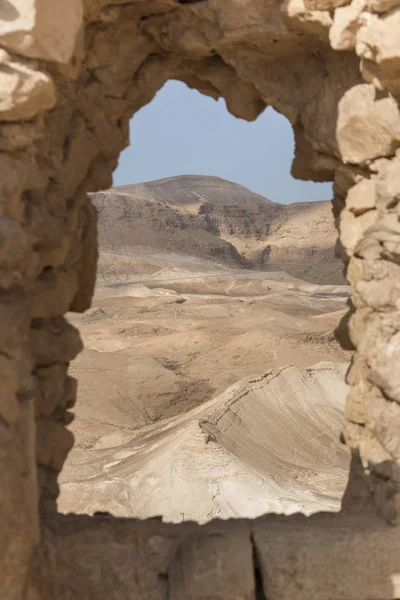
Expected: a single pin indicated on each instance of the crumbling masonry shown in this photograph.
(72, 73)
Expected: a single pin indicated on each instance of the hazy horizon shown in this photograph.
(167, 141)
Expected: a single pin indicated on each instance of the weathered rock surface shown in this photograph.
(266, 444)
(211, 218)
(165, 343)
(23, 89)
(41, 29)
(274, 556)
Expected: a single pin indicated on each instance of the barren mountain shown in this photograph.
(146, 226)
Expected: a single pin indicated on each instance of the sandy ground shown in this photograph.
(156, 430)
(264, 445)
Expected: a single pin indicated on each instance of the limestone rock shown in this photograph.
(345, 177)
(19, 520)
(9, 406)
(381, 294)
(379, 41)
(88, 268)
(54, 341)
(388, 185)
(41, 29)
(384, 355)
(387, 233)
(361, 197)
(386, 424)
(382, 6)
(49, 490)
(19, 136)
(49, 388)
(383, 78)
(293, 556)
(352, 228)
(24, 91)
(54, 290)
(69, 393)
(367, 127)
(329, 5)
(346, 24)
(316, 22)
(379, 49)
(53, 442)
(221, 564)
(388, 499)
(14, 252)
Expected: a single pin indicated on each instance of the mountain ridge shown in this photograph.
(212, 219)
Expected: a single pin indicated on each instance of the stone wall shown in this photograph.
(72, 73)
(325, 557)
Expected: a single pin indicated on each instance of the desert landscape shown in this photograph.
(211, 383)
(170, 222)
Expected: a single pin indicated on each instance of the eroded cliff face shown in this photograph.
(71, 75)
(214, 219)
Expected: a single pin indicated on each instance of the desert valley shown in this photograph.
(211, 383)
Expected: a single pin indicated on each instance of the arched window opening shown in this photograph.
(211, 383)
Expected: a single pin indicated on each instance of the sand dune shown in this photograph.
(265, 444)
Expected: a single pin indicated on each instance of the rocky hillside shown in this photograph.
(266, 444)
(213, 219)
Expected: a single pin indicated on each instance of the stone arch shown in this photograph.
(72, 74)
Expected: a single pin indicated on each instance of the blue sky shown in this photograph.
(184, 132)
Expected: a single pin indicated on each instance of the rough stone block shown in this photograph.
(315, 22)
(87, 268)
(361, 197)
(215, 562)
(352, 228)
(388, 185)
(50, 383)
(382, 6)
(329, 5)
(53, 292)
(328, 557)
(123, 558)
(381, 346)
(19, 523)
(54, 341)
(378, 39)
(53, 442)
(9, 387)
(24, 91)
(346, 23)
(366, 128)
(41, 28)
(48, 489)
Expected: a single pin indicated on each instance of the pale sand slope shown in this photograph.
(152, 353)
(160, 353)
(265, 444)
